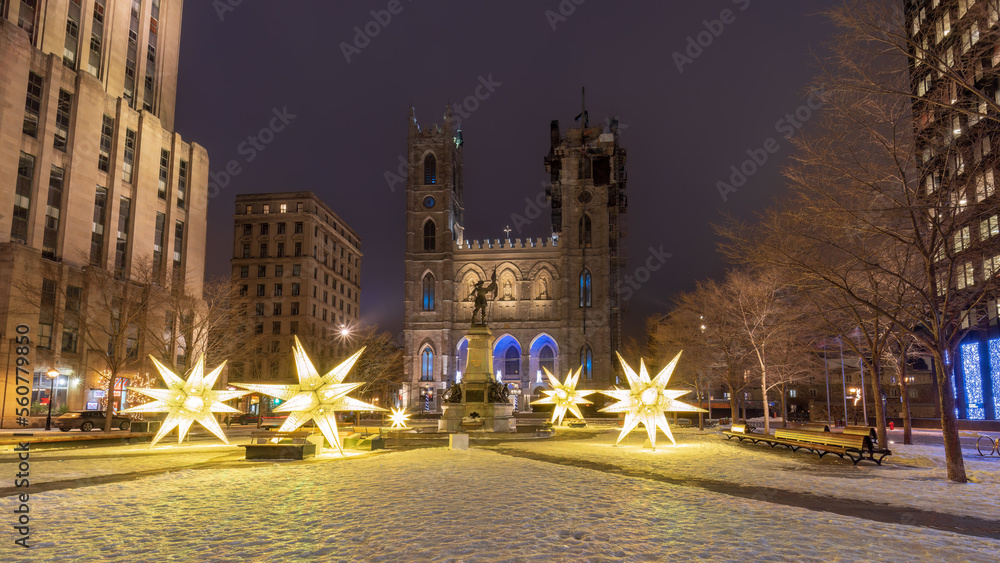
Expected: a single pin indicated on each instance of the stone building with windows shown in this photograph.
(557, 303)
(300, 265)
(92, 175)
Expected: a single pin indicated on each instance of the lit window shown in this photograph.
(427, 365)
(430, 236)
(430, 169)
(585, 289)
(587, 362)
(427, 301)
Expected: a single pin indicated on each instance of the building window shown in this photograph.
(296, 270)
(427, 365)
(246, 251)
(283, 208)
(249, 209)
(428, 293)
(26, 18)
(121, 246)
(260, 290)
(295, 289)
(267, 208)
(430, 234)
(247, 230)
(265, 228)
(32, 105)
(130, 137)
(276, 327)
(277, 290)
(587, 362)
(72, 43)
(512, 362)
(277, 309)
(430, 169)
(244, 290)
(62, 120)
(263, 250)
(989, 227)
(547, 359)
(585, 288)
(298, 207)
(298, 227)
(964, 275)
(259, 309)
(50, 236)
(182, 175)
(261, 271)
(585, 234)
(161, 221)
(294, 308)
(96, 38)
(104, 156)
(281, 250)
(97, 228)
(244, 271)
(279, 270)
(22, 198)
(281, 228)
(164, 170)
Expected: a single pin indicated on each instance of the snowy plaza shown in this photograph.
(573, 497)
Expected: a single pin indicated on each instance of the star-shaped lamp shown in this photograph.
(647, 400)
(188, 401)
(316, 397)
(399, 418)
(564, 396)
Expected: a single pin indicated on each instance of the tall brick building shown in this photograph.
(92, 174)
(557, 302)
(300, 266)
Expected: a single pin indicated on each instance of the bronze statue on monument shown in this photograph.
(480, 293)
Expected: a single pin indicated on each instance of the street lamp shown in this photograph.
(52, 374)
(856, 395)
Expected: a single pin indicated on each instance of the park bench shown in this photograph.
(813, 426)
(863, 431)
(855, 446)
(741, 432)
(365, 438)
(279, 445)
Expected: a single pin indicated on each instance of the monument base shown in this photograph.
(492, 417)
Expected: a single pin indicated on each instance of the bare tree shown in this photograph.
(684, 330)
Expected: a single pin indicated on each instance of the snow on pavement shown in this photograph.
(441, 505)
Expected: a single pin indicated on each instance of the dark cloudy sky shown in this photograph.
(683, 128)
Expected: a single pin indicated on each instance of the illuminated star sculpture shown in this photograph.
(316, 397)
(647, 400)
(188, 401)
(399, 418)
(564, 396)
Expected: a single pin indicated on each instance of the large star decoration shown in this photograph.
(399, 418)
(564, 396)
(647, 400)
(316, 397)
(188, 401)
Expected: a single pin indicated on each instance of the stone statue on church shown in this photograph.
(480, 293)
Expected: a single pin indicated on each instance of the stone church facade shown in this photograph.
(557, 302)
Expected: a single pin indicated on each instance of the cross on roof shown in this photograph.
(507, 231)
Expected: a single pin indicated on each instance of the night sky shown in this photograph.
(683, 129)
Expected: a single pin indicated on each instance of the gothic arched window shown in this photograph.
(585, 288)
(587, 362)
(547, 359)
(430, 169)
(430, 235)
(427, 302)
(427, 365)
(512, 362)
(585, 237)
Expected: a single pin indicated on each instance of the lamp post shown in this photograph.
(52, 374)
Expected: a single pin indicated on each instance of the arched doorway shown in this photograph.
(544, 353)
(507, 358)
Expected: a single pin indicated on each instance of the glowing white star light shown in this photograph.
(647, 400)
(316, 397)
(188, 401)
(564, 396)
(399, 418)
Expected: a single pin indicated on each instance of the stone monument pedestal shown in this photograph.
(475, 412)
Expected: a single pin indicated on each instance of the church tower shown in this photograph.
(434, 218)
(587, 171)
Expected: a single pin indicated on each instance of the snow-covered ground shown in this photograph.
(480, 505)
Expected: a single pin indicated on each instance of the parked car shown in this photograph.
(88, 420)
(244, 418)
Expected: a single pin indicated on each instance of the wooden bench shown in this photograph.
(856, 447)
(863, 431)
(813, 426)
(741, 432)
(279, 445)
